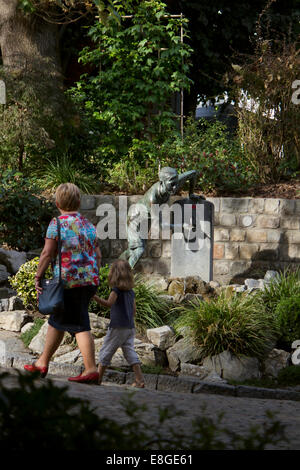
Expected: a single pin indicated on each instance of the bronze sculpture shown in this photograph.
(169, 184)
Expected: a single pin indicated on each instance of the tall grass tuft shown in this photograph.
(282, 298)
(65, 170)
(239, 324)
(151, 308)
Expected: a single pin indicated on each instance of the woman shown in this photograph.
(80, 263)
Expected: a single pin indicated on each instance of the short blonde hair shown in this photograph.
(121, 275)
(67, 197)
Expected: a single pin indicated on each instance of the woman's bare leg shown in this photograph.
(53, 339)
(86, 345)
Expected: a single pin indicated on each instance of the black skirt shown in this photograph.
(75, 318)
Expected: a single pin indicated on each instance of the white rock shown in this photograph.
(252, 283)
(98, 322)
(150, 355)
(240, 288)
(3, 273)
(12, 259)
(191, 369)
(230, 367)
(163, 337)
(213, 377)
(214, 284)
(4, 305)
(13, 321)
(70, 357)
(26, 327)
(183, 351)
(270, 275)
(277, 359)
(38, 342)
(15, 303)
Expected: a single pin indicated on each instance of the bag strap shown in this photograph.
(59, 245)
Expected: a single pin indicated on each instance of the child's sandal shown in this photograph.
(138, 385)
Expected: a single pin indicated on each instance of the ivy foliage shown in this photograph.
(136, 66)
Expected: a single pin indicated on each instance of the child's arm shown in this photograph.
(106, 303)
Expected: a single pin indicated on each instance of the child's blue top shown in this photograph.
(121, 312)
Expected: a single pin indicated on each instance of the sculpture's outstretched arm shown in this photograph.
(190, 176)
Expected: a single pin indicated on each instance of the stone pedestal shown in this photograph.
(192, 250)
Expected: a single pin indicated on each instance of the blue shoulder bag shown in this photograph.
(51, 300)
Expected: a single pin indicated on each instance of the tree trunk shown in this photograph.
(28, 43)
(32, 72)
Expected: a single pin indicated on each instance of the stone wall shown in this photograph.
(251, 235)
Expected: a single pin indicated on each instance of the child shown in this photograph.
(121, 330)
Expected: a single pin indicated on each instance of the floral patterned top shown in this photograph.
(78, 255)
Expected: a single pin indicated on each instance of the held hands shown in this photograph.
(37, 285)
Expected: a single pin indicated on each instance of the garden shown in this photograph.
(105, 99)
(78, 126)
(113, 124)
(250, 333)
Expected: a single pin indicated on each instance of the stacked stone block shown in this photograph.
(251, 235)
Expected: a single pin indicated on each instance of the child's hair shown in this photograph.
(121, 275)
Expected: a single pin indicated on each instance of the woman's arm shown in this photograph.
(106, 303)
(98, 257)
(47, 255)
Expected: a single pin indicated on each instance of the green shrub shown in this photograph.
(32, 332)
(24, 213)
(132, 176)
(282, 297)
(238, 323)
(24, 282)
(44, 416)
(208, 148)
(289, 376)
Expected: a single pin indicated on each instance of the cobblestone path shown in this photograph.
(239, 413)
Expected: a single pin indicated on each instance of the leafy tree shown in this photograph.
(67, 11)
(138, 66)
(268, 121)
(37, 120)
(220, 28)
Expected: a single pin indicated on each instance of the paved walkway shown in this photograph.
(239, 413)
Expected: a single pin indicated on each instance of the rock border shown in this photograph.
(159, 382)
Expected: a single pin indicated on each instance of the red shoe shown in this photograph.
(86, 379)
(32, 368)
